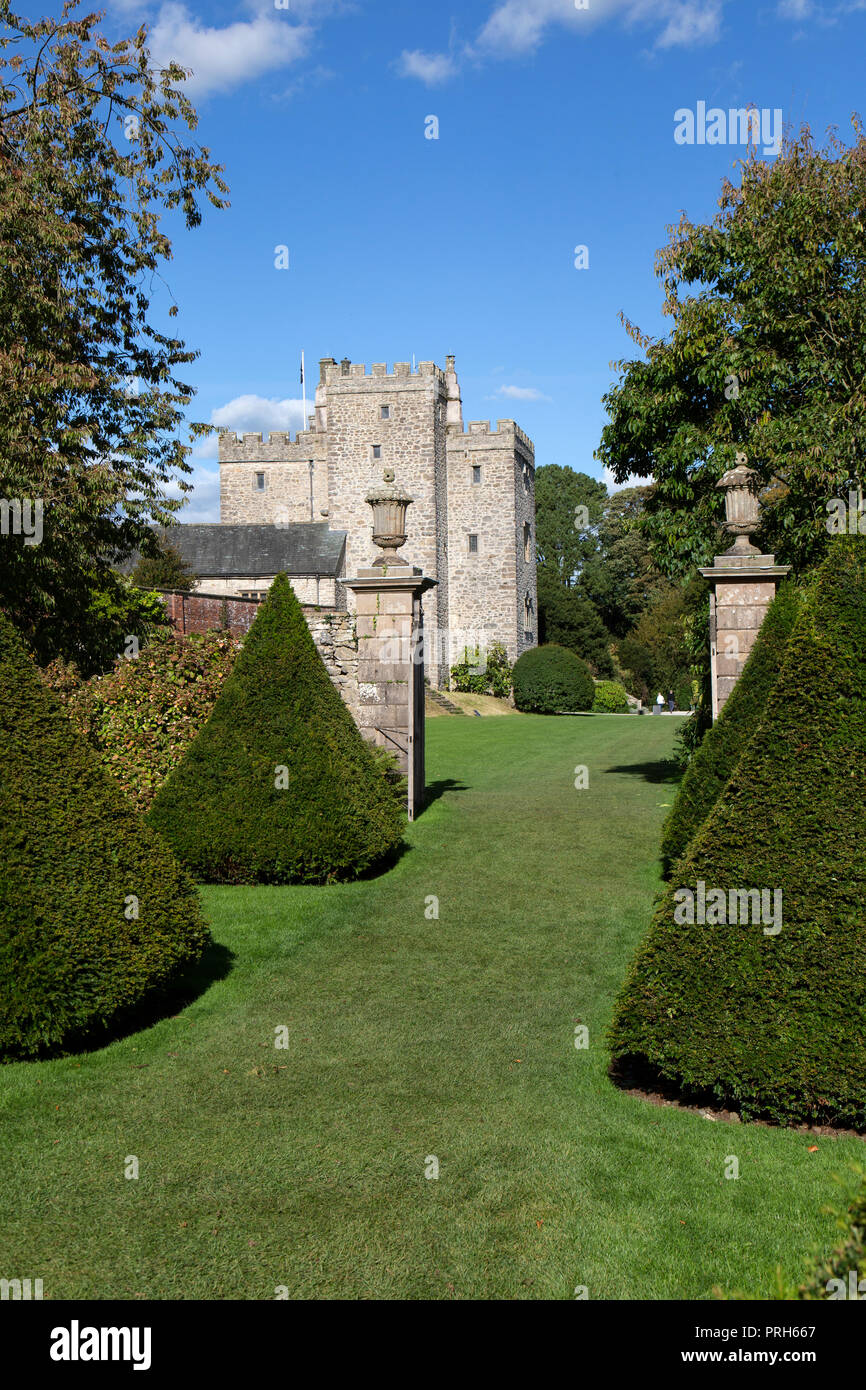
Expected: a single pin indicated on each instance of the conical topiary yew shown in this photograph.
(95, 913)
(279, 786)
(751, 983)
(724, 743)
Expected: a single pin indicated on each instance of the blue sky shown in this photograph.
(555, 130)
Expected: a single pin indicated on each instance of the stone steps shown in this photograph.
(436, 697)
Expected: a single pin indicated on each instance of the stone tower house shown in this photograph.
(471, 526)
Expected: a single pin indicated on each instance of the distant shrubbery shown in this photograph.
(684, 695)
(551, 680)
(610, 698)
(494, 679)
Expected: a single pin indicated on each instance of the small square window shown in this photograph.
(377, 451)
(473, 545)
(260, 482)
(476, 472)
(385, 412)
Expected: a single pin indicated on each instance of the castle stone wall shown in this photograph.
(285, 464)
(431, 455)
(487, 588)
(411, 443)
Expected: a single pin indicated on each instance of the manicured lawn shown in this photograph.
(411, 1037)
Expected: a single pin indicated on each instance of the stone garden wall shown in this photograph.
(333, 630)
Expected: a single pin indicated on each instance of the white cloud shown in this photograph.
(430, 68)
(633, 480)
(261, 414)
(794, 9)
(690, 22)
(203, 503)
(221, 59)
(522, 393)
(517, 27)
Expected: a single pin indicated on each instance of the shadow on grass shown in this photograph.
(665, 770)
(434, 790)
(184, 989)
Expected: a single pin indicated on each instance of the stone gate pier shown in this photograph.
(744, 584)
(390, 634)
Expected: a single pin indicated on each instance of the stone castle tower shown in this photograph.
(471, 526)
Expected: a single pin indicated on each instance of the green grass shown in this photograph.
(305, 1167)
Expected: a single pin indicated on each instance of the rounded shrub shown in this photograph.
(610, 698)
(96, 916)
(279, 786)
(552, 680)
(750, 983)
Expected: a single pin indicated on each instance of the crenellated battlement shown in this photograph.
(277, 446)
(337, 373)
(505, 432)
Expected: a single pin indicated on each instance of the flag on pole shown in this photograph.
(302, 369)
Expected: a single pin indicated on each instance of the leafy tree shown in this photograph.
(767, 355)
(657, 651)
(564, 538)
(621, 578)
(165, 570)
(568, 619)
(90, 160)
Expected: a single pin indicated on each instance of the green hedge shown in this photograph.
(610, 698)
(74, 958)
(724, 742)
(233, 815)
(775, 1024)
(552, 680)
(142, 716)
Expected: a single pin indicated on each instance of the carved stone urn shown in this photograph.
(389, 505)
(742, 507)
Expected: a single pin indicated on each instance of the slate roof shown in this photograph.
(214, 549)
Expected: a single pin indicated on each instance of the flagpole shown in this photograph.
(304, 386)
